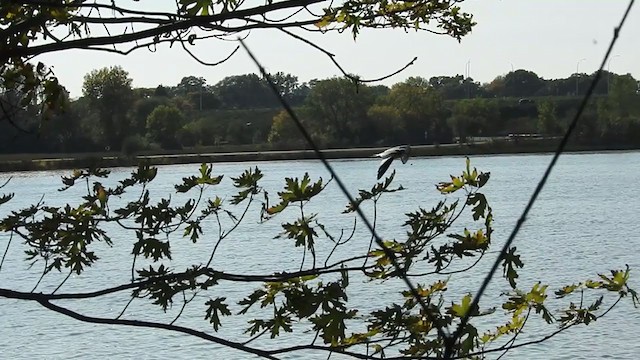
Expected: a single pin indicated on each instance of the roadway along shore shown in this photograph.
(50, 162)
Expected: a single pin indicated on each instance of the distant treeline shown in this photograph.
(239, 110)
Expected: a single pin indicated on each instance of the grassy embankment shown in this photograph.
(36, 162)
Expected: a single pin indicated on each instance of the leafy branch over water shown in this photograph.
(312, 301)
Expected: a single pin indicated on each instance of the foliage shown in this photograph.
(134, 144)
(244, 91)
(521, 83)
(475, 117)
(387, 123)
(163, 123)
(338, 110)
(313, 300)
(457, 87)
(284, 131)
(142, 108)
(109, 92)
(368, 115)
(423, 111)
(547, 119)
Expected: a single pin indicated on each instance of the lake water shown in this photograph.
(585, 222)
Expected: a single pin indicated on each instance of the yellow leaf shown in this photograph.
(457, 182)
(462, 309)
(485, 338)
(325, 21)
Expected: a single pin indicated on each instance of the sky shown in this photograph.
(551, 38)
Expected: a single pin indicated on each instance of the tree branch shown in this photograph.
(154, 325)
(218, 275)
(21, 51)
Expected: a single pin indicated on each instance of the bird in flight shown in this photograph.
(402, 152)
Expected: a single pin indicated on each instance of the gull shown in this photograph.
(388, 155)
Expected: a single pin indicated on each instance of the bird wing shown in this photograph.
(387, 153)
(384, 166)
(404, 157)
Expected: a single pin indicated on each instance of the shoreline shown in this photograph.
(9, 163)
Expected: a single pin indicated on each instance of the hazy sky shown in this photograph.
(548, 37)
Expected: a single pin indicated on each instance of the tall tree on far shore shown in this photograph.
(162, 125)
(109, 92)
(339, 107)
(423, 109)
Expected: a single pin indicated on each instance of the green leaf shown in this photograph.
(205, 178)
(511, 261)
(296, 191)
(480, 202)
(248, 182)
(280, 321)
(332, 325)
(193, 230)
(374, 194)
(215, 309)
(462, 309)
(566, 290)
(251, 300)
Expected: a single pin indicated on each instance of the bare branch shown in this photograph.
(155, 325)
(337, 64)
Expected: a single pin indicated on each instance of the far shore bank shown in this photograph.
(39, 162)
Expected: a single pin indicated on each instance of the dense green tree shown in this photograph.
(290, 88)
(284, 131)
(456, 87)
(202, 132)
(338, 108)
(65, 131)
(245, 92)
(110, 94)
(143, 92)
(619, 112)
(162, 125)
(387, 124)
(196, 91)
(422, 109)
(521, 83)
(624, 95)
(379, 91)
(547, 118)
(190, 84)
(495, 88)
(140, 110)
(14, 109)
(161, 90)
(475, 117)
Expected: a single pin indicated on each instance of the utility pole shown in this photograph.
(609, 73)
(578, 74)
(467, 75)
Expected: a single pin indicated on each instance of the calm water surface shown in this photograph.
(585, 222)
